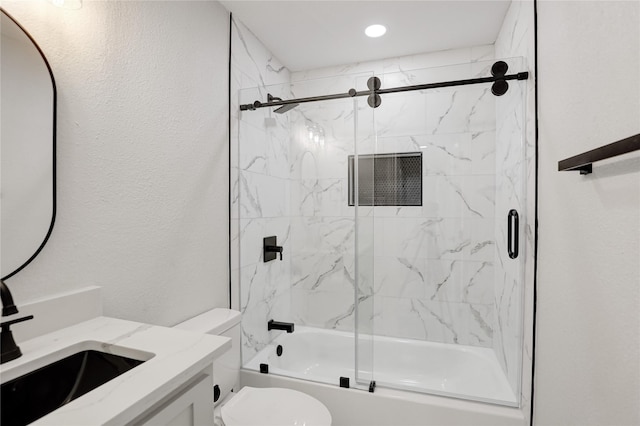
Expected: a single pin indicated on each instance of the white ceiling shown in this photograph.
(312, 34)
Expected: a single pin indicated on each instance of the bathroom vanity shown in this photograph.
(170, 381)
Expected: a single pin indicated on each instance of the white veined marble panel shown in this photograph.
(458, 196)
(401, 114)
(319, 197)
(459, 323)
(263, 196)
(400, 277)
(460, 281)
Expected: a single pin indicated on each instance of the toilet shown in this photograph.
(251, 406)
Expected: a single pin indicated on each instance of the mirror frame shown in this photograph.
(54, 128)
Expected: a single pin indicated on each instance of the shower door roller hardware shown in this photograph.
(374, 83)
(270, 249)
(513, 231)
(372, 386)
(344, 382)
(498, 70)
(264, 368)
(374, 100)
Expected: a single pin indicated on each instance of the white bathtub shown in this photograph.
(323, 356)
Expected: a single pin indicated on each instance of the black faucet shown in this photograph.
(274, 249)
(269, 248)
(277, 325)
(10, 350)
(8, 308)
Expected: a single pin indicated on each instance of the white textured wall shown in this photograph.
(588, 321)
(142, 156)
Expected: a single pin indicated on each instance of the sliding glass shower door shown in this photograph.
(360, 180)
(447, 213)
(332, 234)
(402, 230)
(293, 183)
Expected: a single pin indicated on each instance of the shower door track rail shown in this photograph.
(354, 93)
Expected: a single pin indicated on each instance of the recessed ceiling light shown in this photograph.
(375, 30)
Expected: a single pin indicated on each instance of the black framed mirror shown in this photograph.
(27, 148)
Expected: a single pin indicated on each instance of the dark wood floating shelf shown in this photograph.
(582, 162)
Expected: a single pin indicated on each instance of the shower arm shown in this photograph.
(354, 93)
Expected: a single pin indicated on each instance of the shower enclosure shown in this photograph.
(399, 214)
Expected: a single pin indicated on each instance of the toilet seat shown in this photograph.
(274, 407)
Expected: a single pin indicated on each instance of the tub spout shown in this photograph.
(277, 325)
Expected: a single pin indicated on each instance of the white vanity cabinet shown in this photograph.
(172, 386)
(189, 406)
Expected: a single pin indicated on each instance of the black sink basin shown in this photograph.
(36, 394)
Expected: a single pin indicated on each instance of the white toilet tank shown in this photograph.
(221, 322)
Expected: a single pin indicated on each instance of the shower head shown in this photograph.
(283, 108)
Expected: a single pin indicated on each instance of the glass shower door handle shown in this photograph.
(513, 231)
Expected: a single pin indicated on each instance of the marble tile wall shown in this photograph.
(431, 267)
(260, 191)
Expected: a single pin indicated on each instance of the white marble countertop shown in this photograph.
(173, 358)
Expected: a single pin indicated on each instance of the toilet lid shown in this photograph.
(274, 407)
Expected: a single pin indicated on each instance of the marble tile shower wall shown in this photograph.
(434, 264)
(260, 204)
